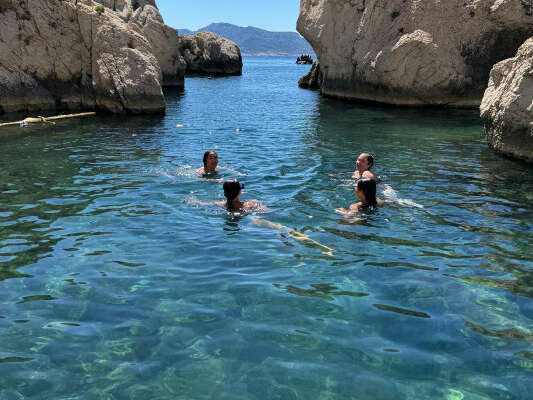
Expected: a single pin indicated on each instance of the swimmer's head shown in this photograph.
(210, 161)
(364, 161)
(365, 189)
(232, 189)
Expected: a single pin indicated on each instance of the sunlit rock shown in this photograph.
(507, 106)
(208, 53)
(165, 44)
(64, 54)
(412, 52)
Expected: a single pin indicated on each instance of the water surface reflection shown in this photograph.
(116, 281)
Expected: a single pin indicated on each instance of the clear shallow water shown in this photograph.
(116, 284)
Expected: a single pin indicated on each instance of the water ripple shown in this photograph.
(117, 281)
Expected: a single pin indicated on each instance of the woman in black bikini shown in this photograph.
(365, 190)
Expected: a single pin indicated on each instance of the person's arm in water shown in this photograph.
(246, 204)
(255, 205)
(195, 201)
(355, 208)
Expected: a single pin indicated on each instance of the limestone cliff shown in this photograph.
(412, 52)
(165, 44)
(507, 106)
(64, 54)
(71, 54)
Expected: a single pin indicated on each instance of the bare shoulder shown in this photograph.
(370, 175)
(355, 207)
(200, 170)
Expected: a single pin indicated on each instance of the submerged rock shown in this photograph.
(412, 52)
(507, 107)
(206, 53)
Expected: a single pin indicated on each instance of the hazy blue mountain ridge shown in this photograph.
(255, 41)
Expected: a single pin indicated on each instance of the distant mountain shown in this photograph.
(258, 42)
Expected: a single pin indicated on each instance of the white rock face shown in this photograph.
(165, 44)
(211, 54)
(62, 54)
(204, 53)
(413, 52)
(163, 39)
(507, 106)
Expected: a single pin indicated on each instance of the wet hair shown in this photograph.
(206, 154)
(368, 187)
(232, 189)
(370, 160)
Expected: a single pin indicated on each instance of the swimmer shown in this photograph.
(365, 189)
(210, 163)
(232, 191)
(363, 164)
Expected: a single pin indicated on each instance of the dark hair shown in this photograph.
(370, 160)
(232, 189)
(368, 187)
(206, 154)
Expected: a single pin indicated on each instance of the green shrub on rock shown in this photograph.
(99, 9)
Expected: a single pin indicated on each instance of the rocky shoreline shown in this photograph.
(113, 55)
(430, 53)
(117, 55)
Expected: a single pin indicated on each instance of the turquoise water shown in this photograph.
(117, 283)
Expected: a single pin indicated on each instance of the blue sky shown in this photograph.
(272, 15)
